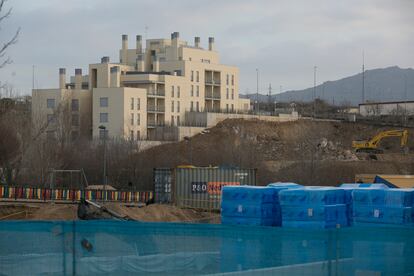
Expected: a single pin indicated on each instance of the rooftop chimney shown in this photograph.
(174, 38)
(211, 43)
(140, 64)
(155, 64)
(197, 42)
(78, 78)
(139, 44)
(62, 78)
(124, 51)
(105, 59)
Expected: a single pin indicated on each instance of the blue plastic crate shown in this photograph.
(325, 213)
(383, 214)
(312, 195)
(249, 209)
(387, 197)
(249, 193)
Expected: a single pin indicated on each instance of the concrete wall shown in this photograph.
(377, 109)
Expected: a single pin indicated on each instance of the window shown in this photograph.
(51, 119)
(172, 106)
(172, 91)
(192, 75)
(227, 107)
(232, 79)
(103, 133)
(178, 120)
(227, 79)
(50, 103)
(232, 94)
(103, 102)
(75, 105)
(192, 91)
(197, 107)
(103, 117)
(191, 106)
(198, 91)
(172, 120)
(197, 76)
(138, 135)
(138, 119)
(178, 106)
(227, 93)
(132, 103)
(132, 119)
(178, 91)
(75, 120)
(232, 107)
(138, 104)
(131, 135)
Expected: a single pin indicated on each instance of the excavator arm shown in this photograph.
(372, 144)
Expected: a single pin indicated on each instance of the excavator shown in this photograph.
(371, 145)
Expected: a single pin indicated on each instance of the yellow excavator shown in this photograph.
(371, 145)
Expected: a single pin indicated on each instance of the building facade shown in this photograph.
(146, 90)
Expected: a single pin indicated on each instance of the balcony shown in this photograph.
(212, 82)
(153, 124)
(156, 93)
(155, 109)
(210, 96)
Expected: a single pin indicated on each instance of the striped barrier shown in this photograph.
(7, 192)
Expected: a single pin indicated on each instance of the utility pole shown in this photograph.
(103, 128)
(257, 90)
(314, 90)
(270, 96)
(405, 99)
(363, 76)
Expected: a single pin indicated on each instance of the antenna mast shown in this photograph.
(363, 76)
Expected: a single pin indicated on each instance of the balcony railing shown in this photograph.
(212, 82)
(152, 108)
(155, 124)
(213, 96)
(159, 93)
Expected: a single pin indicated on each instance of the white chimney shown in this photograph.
(139, 44)
(211, 43)
(62, 78)
(197, 42)
(140, 64)
(115, 76)
(78, 78)
(124, 51)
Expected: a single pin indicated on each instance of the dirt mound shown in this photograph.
(165, 213)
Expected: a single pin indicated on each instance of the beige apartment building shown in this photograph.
(147, 90)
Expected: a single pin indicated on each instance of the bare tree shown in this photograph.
(4, 14)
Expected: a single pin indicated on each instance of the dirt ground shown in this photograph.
(58, 211)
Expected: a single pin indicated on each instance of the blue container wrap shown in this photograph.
(388, 197)
(383, 214)
(312, 195)
(314, 213)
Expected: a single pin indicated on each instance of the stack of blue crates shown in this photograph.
(350, 187)
(313, 207)
(384, 207)
(251, 205)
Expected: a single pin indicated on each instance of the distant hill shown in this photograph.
(385, 84)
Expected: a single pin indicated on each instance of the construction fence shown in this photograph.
(46, 194)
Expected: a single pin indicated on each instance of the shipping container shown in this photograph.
(162, 185)
(198, 187)
(201, 187)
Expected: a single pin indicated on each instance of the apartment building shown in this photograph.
(146, 90)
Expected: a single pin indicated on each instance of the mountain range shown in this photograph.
(381, 85)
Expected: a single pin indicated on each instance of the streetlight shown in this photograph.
(103, 128)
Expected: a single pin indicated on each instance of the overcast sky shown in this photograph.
(284, 39)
